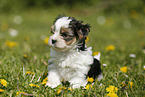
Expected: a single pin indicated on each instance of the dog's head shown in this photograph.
(67, 32)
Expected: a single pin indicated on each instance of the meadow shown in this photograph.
(24, 53)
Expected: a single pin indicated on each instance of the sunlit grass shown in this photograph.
(24, 66)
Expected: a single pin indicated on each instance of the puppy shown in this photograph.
(71, 60)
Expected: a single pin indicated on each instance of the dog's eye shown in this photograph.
(64, 35)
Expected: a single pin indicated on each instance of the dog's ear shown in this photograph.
(81, 30)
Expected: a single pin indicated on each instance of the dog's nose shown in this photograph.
(54, 41)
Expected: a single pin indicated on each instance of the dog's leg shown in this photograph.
(76, 82)
(53, 79)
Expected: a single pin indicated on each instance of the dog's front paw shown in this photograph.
(53, 79)
(52, 85)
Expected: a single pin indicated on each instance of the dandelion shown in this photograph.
(112, 94)
(4, 26)
(0, 62)
(36, 86)
(18, 93)
(131, 84)
(127, 84)
(95, 53)
(90, 79)
(11, 44)
(1, 90)
(33, 85)
(3, 82)
(25, 56)
(133, 14)
(29, 73)
(87, 39)
(60, 89)
(110, 48)
(124, 69)
(123, 84)
(88, 86)
(111, 89)
(70, 89)
(46, 40)
(44, 81)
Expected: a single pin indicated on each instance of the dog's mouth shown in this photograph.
(56, 48)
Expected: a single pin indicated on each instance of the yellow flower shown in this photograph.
(36, 86)
(90, 79)
(46, 40)
(95, 53)
(124, 69)
(123, 84)
(33, 85)
(18, 93)
(11, 44)
(60, 89)
(25, 56)
(0, 62)
(143, 67)
(131, 84)
(110, 48)
(133, 14)
(112, 94)
(1, 90)
(111, 89)
(3, 82)
(87, 39)
(29, 72)
(44, 81)
(70, 89)
(4, 26)
(88, 86)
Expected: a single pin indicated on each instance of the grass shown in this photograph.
(126, 33)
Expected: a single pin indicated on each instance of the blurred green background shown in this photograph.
(117, 22)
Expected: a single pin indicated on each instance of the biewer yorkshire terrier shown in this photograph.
(71, 61)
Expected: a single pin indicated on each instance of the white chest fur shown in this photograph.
(71, 63)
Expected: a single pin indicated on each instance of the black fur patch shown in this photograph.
(95, 69)
(76, 27)
(81, 45)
